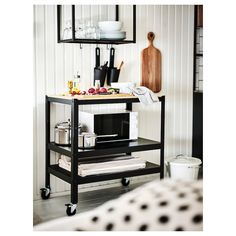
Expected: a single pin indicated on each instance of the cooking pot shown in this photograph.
(62, 133)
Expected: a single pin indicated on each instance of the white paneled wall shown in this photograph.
(55, 64)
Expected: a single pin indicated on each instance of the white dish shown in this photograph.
(113, 35)
(110, 25)
(125, 87)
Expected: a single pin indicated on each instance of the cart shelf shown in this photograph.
(61, 173)
(109, 148)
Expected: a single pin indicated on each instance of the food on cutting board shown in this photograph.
(73, 91)
(91, 90)
(114, 90)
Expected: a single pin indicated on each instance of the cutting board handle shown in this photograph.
(150, 37)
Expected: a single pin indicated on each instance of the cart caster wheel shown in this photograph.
(125, 181)
(45, 193)
(70, 209)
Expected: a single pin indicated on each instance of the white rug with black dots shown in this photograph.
(156, 206)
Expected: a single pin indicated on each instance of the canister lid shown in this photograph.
(185, 160)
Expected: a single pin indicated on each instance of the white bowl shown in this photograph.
(110, 25)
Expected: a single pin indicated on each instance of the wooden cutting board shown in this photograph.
(90, 97)
(151, 66)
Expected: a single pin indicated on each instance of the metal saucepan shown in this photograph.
(89, 140)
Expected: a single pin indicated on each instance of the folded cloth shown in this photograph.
(145, 95)
(104, 167)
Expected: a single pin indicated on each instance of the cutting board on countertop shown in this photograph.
(151, 66)
(90, 97)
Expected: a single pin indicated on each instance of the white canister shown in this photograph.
(183, 167)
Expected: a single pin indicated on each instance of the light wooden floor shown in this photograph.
(54, 207)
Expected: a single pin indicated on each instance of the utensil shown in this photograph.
(111, 64)
(121, 64)
(97, 57)
(151, 66)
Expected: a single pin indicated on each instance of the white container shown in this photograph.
(183, 167)
(125, 87)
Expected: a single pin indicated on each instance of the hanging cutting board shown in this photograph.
(151, 66)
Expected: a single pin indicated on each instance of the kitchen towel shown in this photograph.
(145, 95)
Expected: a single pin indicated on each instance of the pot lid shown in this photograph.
(66, 125)
(184, 160)
(63, 125)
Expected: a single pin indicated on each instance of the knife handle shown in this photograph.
(112, 56)
(97, 56)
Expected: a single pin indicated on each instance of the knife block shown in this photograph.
(99, 74)
(114, 75)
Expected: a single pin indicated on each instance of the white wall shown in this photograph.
(55, 63)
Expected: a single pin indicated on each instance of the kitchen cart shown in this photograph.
(80, 155)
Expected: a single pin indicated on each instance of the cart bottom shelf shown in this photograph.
(65, 175)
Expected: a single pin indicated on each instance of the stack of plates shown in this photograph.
(111, 30)
(113, 35)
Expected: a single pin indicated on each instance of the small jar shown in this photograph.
(76, 84)
(97, 85)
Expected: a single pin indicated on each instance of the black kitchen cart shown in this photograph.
(80, 155)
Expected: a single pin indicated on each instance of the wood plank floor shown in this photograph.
(54, 207)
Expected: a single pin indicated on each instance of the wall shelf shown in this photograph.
(93, 41)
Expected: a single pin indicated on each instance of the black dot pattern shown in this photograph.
(197, 219)
(163, 219)
(199, 199)
(109, 227)
(144, 206)
(131, 201)
(163, 203)
(183, 208)
(143, 227)
(110, 209)
(196, 190)
(175, 206)
(95, 219)
(127, 218)
(181, 195)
